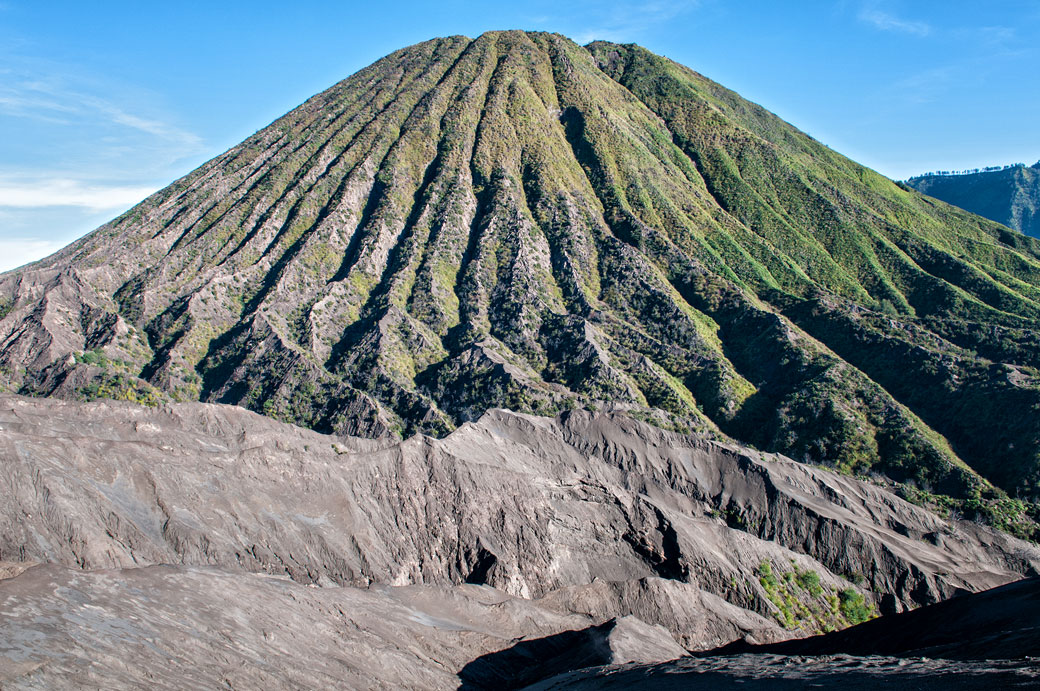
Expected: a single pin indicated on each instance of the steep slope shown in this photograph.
(516, 221)
(1009, 195)
(983, 640)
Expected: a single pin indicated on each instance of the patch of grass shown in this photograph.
(801, 601)
(119, 387)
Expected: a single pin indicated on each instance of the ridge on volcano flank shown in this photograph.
(517, 221)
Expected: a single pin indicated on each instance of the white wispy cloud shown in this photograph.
(885, 21)
(625, 21)
(928, 85)
(68, 192)
(18, 104)
(78, 150)
(995, 35)
(1000, 42)
(54, 103)
(15, 252)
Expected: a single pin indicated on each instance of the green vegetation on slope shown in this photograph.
(800, 601)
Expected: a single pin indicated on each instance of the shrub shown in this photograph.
(810, 580)
(854, 606)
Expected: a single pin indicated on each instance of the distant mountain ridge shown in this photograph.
(1008, 195)
(516, 221)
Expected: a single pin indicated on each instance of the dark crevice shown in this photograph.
(399, 253)
(253, 184)
(220, 362)
(666, 562)
(700, 380)
(375, 308)
(350, 256)
(621, 225)
(273, 276)
(375, 197)
(248, 184)
(292, 186)
(434, 239)
(560, 261)
(919, 372)
(482, 565)
(421, 198)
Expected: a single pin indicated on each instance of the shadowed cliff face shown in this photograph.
(517, 221)
(984, 640)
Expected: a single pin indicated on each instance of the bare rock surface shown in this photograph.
(168, 627)
(697, 619)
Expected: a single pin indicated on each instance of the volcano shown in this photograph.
(602, 321)
(516, 221)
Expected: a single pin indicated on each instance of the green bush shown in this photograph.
(93, 357)
(854, 606)
(765, 576)
(810, 580)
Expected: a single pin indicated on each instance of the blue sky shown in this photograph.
(102, 103)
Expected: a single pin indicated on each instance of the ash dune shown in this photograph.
(199, 526)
